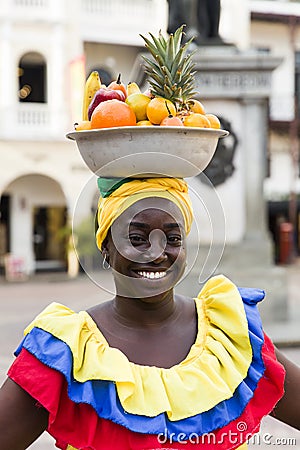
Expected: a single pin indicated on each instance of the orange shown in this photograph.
(197, 120)
(158, 108)
(112, 113)
(82, 125)
(196, 106)
(214, 121)
(171, 121)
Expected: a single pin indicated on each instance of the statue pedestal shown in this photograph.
(236, 87)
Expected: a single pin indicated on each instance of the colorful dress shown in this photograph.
(98, 400)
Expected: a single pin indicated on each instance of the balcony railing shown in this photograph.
(107, 21)
(121, 21)
(33, 121)
(32, 10)
(32, 115)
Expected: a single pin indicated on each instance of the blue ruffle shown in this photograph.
(102, 395)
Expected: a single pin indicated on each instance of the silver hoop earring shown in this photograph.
(105, 263)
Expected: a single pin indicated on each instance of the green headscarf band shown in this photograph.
(107, 186)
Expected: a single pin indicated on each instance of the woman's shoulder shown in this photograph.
(231, 310)
(220, 289)
(60, 322)
(58, 315)
(54, 313)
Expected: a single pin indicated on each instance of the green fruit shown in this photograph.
(138, 103)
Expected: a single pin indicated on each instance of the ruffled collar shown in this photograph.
(218, 361)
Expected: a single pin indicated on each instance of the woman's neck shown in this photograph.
(149, 311)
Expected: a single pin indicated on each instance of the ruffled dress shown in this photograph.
(98, 400)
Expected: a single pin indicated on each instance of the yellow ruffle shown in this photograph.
(218, 361)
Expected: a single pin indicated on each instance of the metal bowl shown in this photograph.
(148, 151)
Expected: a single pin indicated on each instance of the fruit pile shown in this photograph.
(169, 101)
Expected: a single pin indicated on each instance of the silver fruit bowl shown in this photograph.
(148, 151)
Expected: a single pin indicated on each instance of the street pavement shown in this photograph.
(21, 301)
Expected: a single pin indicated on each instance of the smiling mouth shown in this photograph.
(152, 275)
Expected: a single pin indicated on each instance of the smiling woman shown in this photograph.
(154, 218)
(147, 243)
(148, 369)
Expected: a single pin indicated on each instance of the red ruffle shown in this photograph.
(79, 425)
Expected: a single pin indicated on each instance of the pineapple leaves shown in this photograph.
(170, 72)
(170, 51)
(158, 45)
(177, 38)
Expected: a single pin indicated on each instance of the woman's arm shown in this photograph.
(287, 409)
(21, 420)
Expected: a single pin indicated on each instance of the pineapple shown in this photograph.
(170, 72)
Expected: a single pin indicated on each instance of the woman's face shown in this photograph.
(146, 248)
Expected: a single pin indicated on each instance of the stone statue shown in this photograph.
(222, 165)
(201, 18)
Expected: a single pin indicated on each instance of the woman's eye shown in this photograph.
(136, 239)
(175, 239)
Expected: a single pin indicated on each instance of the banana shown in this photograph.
(92, 84)
(133, 88)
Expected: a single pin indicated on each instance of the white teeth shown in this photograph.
(152, 275)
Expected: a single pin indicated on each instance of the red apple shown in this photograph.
(102, 95)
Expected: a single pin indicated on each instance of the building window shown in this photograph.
(32, 72)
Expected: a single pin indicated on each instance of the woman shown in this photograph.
(149, 369)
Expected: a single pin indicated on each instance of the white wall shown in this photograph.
(276, 37)
(235, 22)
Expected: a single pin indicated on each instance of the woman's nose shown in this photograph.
(156, 252)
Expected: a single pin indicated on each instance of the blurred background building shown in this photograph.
(275, 30)
(48, 48)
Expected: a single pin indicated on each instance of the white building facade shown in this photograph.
(47, 48)
(275, 30)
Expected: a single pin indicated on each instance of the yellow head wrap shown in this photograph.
(112, 206)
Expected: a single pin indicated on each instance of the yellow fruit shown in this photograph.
(197, 120)
(145, 123)
(196, 106)
(133, 88)
(82, 125)
(92, 84)
(138, 103)
(214, 121)
(159, 108)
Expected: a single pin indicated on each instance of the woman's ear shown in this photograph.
(105, 255)
(104, 247)
(105, 244)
